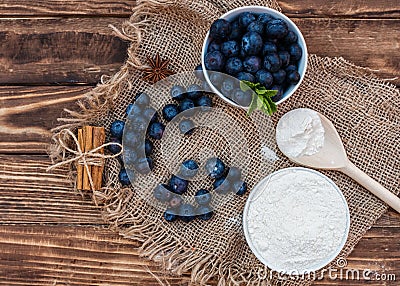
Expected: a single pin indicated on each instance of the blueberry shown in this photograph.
(170, 215)
(213, 46)
(216, 79)
(230, 48)
(178, 185)
(290, 38)
(265, 18)
(204, 102)
(295, 52)
(252, 43)
(234, 174)
(252, 64)
(178, 92)
(133, 109)
(290, 68)
(285, 58)
(139, 124)
(162, 193)
(279, 76)
(228, 85)
(113, 148)
(214, 61)
(256, 26)
(175, 201)
(236, 31)
(245, 76)
(272, 62)
(246, 18)
(264, 77)
(130, 156)
(187, 212)
(194, 91)
(243, 98)
(279, 95)
(156, 130)
(150, 114)
(186, 126)
(148, 147)
(204, 212)
(202, 197)
(187, 105)
(233, 66)
(198, 72)
(269, 47)
(220, 29)
(117, 128)
(123, 177)
(276, 29)
(142, 99)
(215, 168)
(239, 188)
(170, 111)
(222, 185)
(293, 77)
(189, 169)
(144, 165)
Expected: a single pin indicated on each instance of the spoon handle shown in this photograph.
(371, 185)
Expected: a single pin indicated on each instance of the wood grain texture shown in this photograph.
(339, 8)
(59, 50)
(28, 113)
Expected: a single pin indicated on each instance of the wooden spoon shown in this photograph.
(332, 156)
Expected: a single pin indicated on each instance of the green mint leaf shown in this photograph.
(271, 93)
(246, 85)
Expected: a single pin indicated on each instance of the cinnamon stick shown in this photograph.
(88, 140)
(99, 137)
(79, 167)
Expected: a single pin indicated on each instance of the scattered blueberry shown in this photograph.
(252, 43)
(187, 105)
(245, 76)
(198, 72)
(215, 168)
(144, 165)
(204, 102)
(117, 128)
(170, 215)
(222, 185)
(162, 193)
(142, 99)
(204, 212)
(239, 187)
(214, 61)
(269, 47)
(234, 174)
(203, 197)
(186, 126)
(220, 29)
(187, 212)
(293, 77)
(178, 92)
(178, 185)
(252, 64)
(230, 48)
(169, 111)
(114, 148)
(279, 76)
(265, 78)
(189, 169)
(272, 62)
(150, 114)
(243, 98)
(256, 26)
(156, 130)
(148, 147)
(233, 66)
(276, 29)
(246, 18)
(123, 177)
(194, 91)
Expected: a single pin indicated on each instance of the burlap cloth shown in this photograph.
(364, 109)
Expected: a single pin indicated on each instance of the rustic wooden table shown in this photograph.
(51, 53)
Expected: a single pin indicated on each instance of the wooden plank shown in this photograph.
(28, 113)
(59, 50)
(301, 8)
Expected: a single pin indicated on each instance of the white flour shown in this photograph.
(300, 132)
(297, 220)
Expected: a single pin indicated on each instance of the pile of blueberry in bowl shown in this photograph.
(256, 45)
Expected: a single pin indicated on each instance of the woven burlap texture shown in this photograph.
(364, 109)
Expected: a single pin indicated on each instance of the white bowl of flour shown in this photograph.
(296, 221)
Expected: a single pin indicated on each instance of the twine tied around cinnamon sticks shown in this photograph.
(89, 155)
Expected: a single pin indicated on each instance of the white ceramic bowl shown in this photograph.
(232, 14)
(271, 264)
